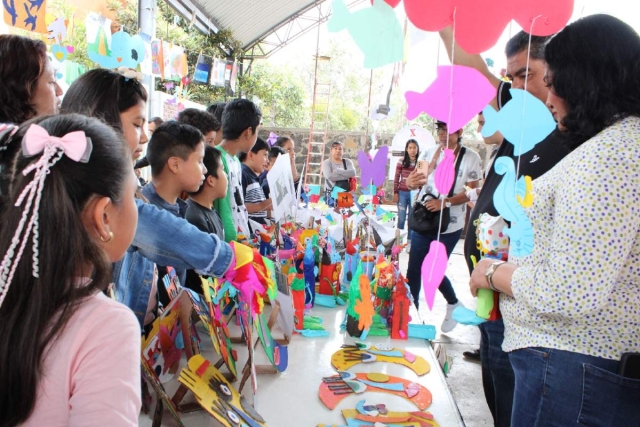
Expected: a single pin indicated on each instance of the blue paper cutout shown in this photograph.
(314, 189)
(336, 190)
(376, 30)
(467, 317)
(126, 51)
(369, 190)
(535, 126)
(504, 198)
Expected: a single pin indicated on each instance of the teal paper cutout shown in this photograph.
(125, 51)
(336, 190)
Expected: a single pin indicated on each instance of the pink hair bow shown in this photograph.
(75, 145)
(273, 137)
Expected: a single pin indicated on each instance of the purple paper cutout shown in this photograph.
(373, 171)
(433, 268)
(444, 175)
(273, 137)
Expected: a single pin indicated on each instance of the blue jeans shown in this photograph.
(498, 380)
(419, 249)
(563, 388)
(405, 207)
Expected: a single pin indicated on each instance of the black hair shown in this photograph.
(171, 139)
(202, 120)
(22, 62)
(260, 144)
(212, 161)
(275, 151)
(104, 94)
(281, 141)
(594, 67)
(36, 310)
(238, 115)
(216, 110)
(156, 121)
(406, 161)
(520, 42)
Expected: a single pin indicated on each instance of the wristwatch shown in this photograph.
(447, 203)
(489, 274)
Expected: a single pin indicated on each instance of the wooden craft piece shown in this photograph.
(334, 389)
(351, 355)
(217, 396)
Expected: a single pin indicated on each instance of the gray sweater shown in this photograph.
(334, 172)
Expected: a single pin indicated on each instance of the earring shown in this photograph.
(108, 240)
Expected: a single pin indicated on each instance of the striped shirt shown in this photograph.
(253, 193)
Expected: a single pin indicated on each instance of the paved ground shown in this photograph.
(465, 377)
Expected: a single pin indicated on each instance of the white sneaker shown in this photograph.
(408, 247)
(449, 323)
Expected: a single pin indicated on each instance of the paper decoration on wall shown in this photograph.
(218, 72)
(351, 355)
(434, 267)
(157, 58)
(505, 200)
(233, 76)
(334, 389)
(57, 30)
(217, 396)
(480, 24)
(27, 15)
(60, 52)
(444, 175)
(120, 50)
(376, 30)
(373, 171)
(523, 132)
(175, 62)
(379, 415)
(461, 99)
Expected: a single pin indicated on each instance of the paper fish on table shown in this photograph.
(505, 199)
(522, 132)
(376, 30)
(373, 171)
(351, 355)
(334, 389)
(454, 103)
(125, 51)
(376, 415)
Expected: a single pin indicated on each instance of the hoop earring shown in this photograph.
(108, 240)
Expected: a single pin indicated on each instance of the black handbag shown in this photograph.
(423, 220)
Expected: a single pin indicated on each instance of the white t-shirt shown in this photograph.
(469, 171)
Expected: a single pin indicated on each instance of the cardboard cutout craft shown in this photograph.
(217, 396)
(370, 415)
(149, 375)
(351, 355)
(334, 389)
(219, 332)
(372, 172)
(125, 51)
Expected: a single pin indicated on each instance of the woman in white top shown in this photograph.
(468, 174)
(572, 308)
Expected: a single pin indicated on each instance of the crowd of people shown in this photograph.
(78, 222)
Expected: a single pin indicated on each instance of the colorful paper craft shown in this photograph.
(217, 396)
(376, 30)
(124, 51)
(524, 121)
(160, 348)
(373, 171)
(351, 355)
(334, 389)
(278, 354)
(27, 15)
(454, 103)
(219, 332)
(149, 375)
(434, 267)
(378, 415)
(364, 307)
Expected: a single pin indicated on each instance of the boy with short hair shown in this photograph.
(240, 122)
(175, 154)
(203, 121)
(253, 164)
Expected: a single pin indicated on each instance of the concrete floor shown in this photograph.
(465, 377)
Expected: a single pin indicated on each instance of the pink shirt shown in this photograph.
(92, 372)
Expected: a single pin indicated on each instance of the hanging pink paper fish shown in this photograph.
(433, 269)
(444, 175)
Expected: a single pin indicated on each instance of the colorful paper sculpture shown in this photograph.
(524, 121)
(378, 415)
(124, 51)
(219, 333)
(455, 97)
(162, 347)
(400, 305)
(217, 396)
(351, 355)
(434, 267)
(364, 307)
(376, 30)
(334, 389)
(373, 171)
(278, 354)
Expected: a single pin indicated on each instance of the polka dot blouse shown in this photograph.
(580, 288)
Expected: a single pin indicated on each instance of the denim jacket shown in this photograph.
(165, 239)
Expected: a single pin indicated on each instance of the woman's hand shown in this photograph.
(478, 276)
(416, 179)
(395, 198)
(434, 205)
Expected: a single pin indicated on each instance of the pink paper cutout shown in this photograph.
(444, 175)
(409, 357)
(480, 24)
(433, 269)
(470, 93)
(412, 389)
(373, 171)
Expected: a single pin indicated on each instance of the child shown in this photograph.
(274, 152)
(253, 164)
(175, 154)
(240, 122)
(203, 121)
(78, 185)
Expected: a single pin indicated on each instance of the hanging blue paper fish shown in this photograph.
(523, 131)
(376, 30)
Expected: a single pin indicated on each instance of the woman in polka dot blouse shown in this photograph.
(572, 308)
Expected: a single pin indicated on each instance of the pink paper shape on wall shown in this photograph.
(444, 174)
(373, 171)
(470, 93)
(479, 24)
(433, 268)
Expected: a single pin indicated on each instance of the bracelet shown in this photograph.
(489, 274)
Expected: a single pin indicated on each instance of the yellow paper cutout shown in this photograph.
(244, 254)
(346, 358)
(528, 197)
